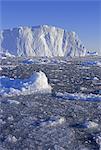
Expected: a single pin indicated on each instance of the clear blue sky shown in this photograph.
(83, 17)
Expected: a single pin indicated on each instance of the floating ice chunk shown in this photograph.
(57, 147)
(96, 78)
(10, 118)
(83, 88)
(98, 141)
(1, 77)
(99, 106)
(2, 122)
(60, 121)
(86, 124)
(99, 63)
(50, 121)
(90, 124)
(27, 61)
(85, 149)
(41, 81)
(96, 81)
(8, 101)
(89, 63)
(0, 68)
(14, 91)
(11, 139)
(13, 101)
(78, 96)
(38, 82)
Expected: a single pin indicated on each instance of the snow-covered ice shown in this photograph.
(11, 102)
(90, 124)
(28, 61)
(38, 82)
(49, 122)
(11, 139)
(98, 141)
(99, 63)
(91, 63)
(0, 68)
(79, 96)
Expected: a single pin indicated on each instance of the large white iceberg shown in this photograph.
(41, 41)
(38, 82)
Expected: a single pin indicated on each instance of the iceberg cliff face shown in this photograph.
(40, 41)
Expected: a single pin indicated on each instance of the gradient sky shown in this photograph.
(83, 17)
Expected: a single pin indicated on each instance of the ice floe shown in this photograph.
(0, 68)
(43, 60)
(11, 139)
(49, 122)
(99, 63)
(98, 141)
(91, 63)
(28, 61)
(2, 122)
(8, 101)
(96, 81)
(88, 63)
(78, 96)
(38, 82)
(91, 124)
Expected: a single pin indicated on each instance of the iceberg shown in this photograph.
(40, 41)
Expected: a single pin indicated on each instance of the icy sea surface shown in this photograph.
(68, 118)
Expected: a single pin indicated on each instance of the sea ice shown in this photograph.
(90, 124)
(99, 63)
(0, 68)
(91, 63)
(78, 96)
(49, 122)
(38, 82)
(98, 141)
(11, 139)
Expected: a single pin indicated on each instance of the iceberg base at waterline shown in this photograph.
(37, 83)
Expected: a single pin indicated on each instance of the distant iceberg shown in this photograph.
(41, 41)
